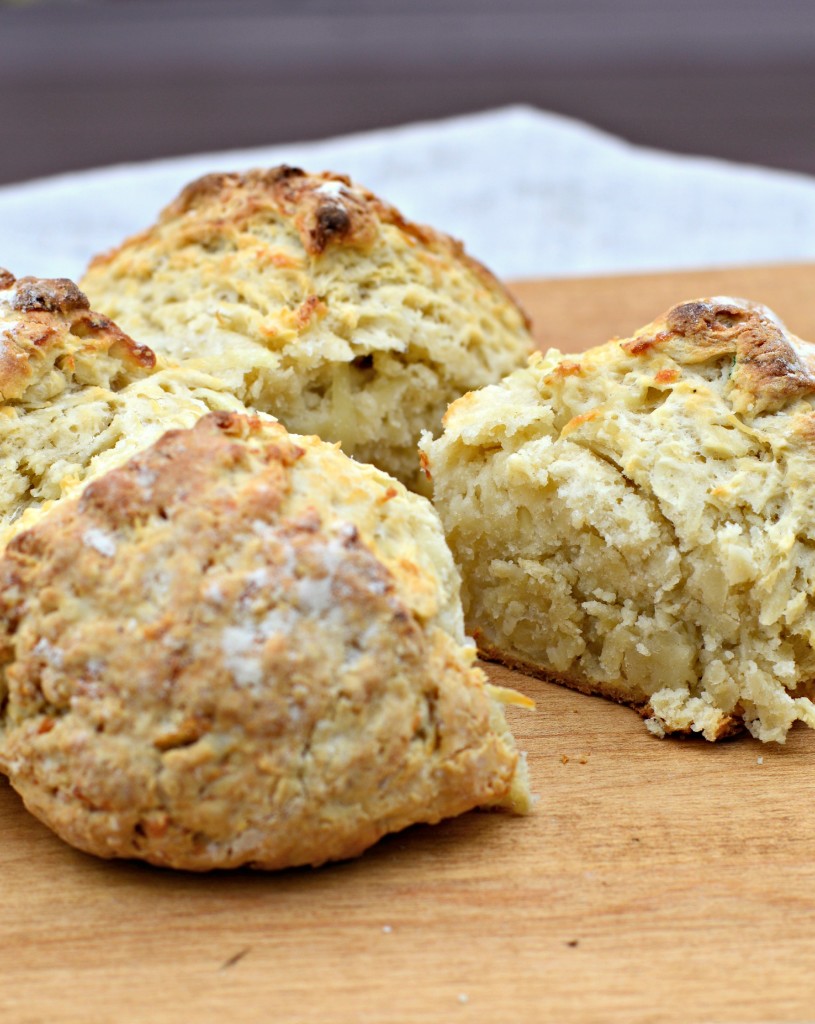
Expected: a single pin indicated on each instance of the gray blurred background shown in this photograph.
(91, 83)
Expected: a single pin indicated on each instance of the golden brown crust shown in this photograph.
(327, 209)
(203, 674)
(47, 325)
(194, 456)
(57, 295)
(769, 366)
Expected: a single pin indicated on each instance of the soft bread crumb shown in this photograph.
(639, 521)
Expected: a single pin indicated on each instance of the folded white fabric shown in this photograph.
(530, 193)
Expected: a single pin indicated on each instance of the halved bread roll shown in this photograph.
(638, 521)
(78, 396)
(317, 302)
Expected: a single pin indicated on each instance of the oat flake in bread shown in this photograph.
(639, 521)
(78, 396)
(242, 647)
(317, 302)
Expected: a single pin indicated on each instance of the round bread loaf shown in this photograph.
(242, 647)
(317, 302)
(639, 520)
(78, 396)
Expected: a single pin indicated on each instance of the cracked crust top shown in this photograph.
(50, 338)
(771, 367)
(228, 652)
(327, 209)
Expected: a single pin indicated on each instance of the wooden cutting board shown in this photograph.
(657, 880)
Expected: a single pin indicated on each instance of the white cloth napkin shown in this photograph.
(530, 193)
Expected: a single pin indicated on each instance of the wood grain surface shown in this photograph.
(573, 313)
(657, 880)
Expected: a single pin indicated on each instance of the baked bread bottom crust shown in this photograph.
(728, 725)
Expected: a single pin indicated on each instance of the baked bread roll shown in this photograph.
(78, 396)
(317, 302)
(638, 521)
(242, 647)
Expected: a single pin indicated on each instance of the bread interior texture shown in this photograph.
(639, 521)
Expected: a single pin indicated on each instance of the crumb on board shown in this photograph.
(236, 958)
